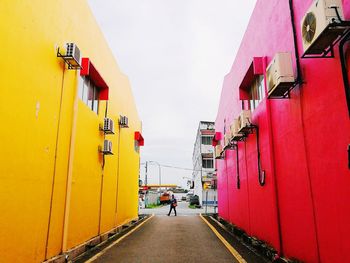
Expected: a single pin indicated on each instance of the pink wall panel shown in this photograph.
(238, 198)
(231, 182)
(303, 210)
(222, 189)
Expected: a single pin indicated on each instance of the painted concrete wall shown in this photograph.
(302, 209)
(54, 191)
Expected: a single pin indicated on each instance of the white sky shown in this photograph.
(176, 54)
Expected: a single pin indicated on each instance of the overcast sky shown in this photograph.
(176, 54)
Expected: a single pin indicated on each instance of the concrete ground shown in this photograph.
(169, 239)
(185, 238)
(182, 209)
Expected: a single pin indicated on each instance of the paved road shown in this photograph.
(169, 239)
(182, 209)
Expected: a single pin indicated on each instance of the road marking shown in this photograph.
(178, 215)
(118, 240)
(233, 251)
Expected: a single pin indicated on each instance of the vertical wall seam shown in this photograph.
(273, 163)
(100, 206)
(309, 176)
(248, 196)
(118, 172)
(273, 166)
(227, 190)
(70, 172)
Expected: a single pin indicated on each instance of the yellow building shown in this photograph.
(57, 189)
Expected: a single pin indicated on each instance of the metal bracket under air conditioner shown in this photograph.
(221, 156)
(68, 60)
(286, 94)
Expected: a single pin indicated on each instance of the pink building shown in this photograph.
(290, 186)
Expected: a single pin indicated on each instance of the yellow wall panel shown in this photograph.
(38, 118)
(86, 182)
(54, 242)
(110, 173)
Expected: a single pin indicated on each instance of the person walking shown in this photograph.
(173, 205)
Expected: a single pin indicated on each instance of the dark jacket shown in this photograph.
(173, 202)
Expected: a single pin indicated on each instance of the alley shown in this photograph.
(182, 209)
(236, 113)
(169, 239)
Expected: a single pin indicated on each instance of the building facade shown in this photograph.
(58, 189)
(203, 165)
(283, 139)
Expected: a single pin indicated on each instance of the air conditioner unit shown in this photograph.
(108, 126)
(280, 75)
(316, 31)
(124, 122)
(218, 151)
(107, 147)
(235, 126)
(244, 120)
(72, 55)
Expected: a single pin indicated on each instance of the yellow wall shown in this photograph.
(41, 132)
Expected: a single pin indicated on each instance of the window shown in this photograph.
(136, 146)
(89, 93)
(207, 140)
(207, 163)
(256, 92)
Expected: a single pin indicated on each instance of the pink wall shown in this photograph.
(304, 208)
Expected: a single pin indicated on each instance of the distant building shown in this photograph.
(203, 164)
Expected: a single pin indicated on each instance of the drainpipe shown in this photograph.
(102, 178)
(273, 166)
(300, 82)
(55, 164)
(248, 196)
(299, 79)
(70, 173)
(345, 70)
(269, 120)
(118, 173)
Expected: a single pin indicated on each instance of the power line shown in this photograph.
(177, 167)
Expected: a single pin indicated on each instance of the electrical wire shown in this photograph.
(237, 166)
(176, 167)
(180, 168)
(260, 171)
(104, 137)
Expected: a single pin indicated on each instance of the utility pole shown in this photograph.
(159, 171)
(146, 174)
(146, 197)
(206, 200)
(160, 175)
